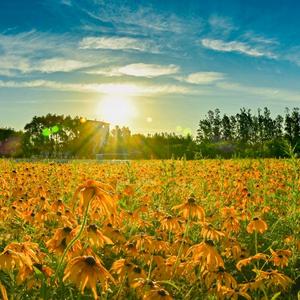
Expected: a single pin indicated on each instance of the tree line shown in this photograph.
(241, 135)
(248, 135)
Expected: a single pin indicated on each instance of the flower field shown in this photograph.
(207, 229)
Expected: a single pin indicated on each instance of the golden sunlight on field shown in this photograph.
(207, 229)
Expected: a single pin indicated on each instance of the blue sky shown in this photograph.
(151, 65)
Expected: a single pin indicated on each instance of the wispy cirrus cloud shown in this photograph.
(236, 46)
(29, 52)
(33, 51)
(118, 43)
(221, 24)
(137, 70)
(11, 65)
(143, 20)
(258, 38)
(104, 88)
(66, 2)
(202, 77)
(59, 65)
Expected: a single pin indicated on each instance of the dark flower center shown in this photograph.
(67, 229)
(38, 266)
(64, 243)
(255, 219)
(150, 282)
(93, 227)
(130, 245)
(90, 260)
(162, 293)
(210, 243)
(191, 201)
(137, 270)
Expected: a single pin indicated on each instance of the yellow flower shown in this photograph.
(247, 261)
(170, 223)
(273, 277)
(157, 294)
(280, 257)
(190, 209)
(208, 232)
(3, 292)
(206, 255)
(220, 276)
(96, 237)
(100, 195)
(225, 292)
(86, 271)
(10, 259)
(62, 237)
(258, 225)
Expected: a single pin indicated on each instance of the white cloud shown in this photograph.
(117, 43)
(202, 77)
(22, 53)
(136, 70)
(148, 70)
(104, 88)
(59, 65)
(221, 24)
(66, 2)
(235, 46)
(10, 65)
(143, 19)
(257, 38)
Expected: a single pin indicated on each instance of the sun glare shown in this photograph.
(116, 109)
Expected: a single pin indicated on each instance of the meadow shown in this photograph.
(176, 229)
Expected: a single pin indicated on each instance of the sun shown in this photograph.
(116, 109)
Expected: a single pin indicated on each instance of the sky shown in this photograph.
(151, 65)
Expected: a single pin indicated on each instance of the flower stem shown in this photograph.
(181, 247)
(73, 241)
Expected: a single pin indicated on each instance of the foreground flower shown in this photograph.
(27, 274)
(190, 209)
(258, 225)
(225, 292)
(273, 277)
(220, 276)
(170, 223)
(10, 259)
(3, 292)
(28, 249)
(62, 237)
(99, 192)
(208, 232)
(96, 237)
(280, 257)
(157, 294)
(86, 271)
(206, 255)
(247, 261)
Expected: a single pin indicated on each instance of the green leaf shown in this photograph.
(276, 296)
